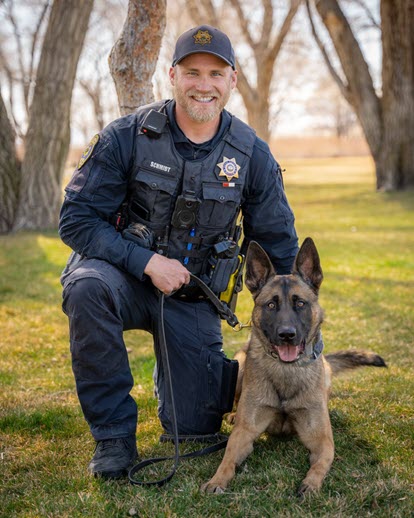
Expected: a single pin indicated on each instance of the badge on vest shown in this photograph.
(229, 168)
(88, 151)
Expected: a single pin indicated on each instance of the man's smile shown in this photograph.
(203, 98)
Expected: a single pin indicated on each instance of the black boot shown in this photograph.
(113, 457)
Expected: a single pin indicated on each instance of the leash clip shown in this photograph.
(239, 326)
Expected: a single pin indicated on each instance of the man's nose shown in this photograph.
(203, 84)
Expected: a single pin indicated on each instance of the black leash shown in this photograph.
(225, 313)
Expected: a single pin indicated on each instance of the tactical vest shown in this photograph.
(189, 205)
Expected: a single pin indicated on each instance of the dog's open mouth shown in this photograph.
(289, 352)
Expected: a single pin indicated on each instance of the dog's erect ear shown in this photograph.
(258, 268)
(307, 264)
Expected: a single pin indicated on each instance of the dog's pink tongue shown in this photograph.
(288, 353)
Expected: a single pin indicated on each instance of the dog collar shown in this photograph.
(314, 353)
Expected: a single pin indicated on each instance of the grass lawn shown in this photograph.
(366, 243)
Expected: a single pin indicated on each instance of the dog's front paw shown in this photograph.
(213, 487)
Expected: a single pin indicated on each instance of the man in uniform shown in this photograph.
(157, 196)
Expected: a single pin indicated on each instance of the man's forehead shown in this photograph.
(202, 59)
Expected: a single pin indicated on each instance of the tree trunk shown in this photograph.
(134, 56)
(9, 172)
(48, 134)
(258, 115)
(395, 162)
(387, 122)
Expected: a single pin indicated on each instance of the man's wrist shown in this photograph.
(138, 261)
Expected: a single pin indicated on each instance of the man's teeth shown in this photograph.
(203, 99)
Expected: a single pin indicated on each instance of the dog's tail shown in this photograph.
(343, 360)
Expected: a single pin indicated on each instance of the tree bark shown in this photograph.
(387, 121)
(48, 135)
(395, 168)
(134, 56)
(9, 172)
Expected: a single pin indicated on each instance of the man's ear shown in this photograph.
(308, 266)
(234, 79)
(171, 73)
(258, 268)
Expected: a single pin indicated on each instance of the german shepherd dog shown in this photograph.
(285, 378)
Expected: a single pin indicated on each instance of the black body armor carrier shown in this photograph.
(191, 207)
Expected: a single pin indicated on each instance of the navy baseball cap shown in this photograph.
(204, 39)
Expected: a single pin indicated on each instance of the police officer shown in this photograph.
(155, 196)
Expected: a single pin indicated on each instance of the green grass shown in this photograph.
(366, 243)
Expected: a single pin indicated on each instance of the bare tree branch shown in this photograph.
(342, 86)
(22, 69)
(246, 90)
(243, 24)
(267, 23)
(277, 45)
(211, 13)
(35, 37)
(94, 94)
(207, 15)
(369, 14)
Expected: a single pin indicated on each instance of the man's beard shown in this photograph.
(200, 112)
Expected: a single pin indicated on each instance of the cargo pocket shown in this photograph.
(217, 385)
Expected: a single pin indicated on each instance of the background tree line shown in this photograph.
(43, 69)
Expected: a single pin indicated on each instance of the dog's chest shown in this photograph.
(281, 386)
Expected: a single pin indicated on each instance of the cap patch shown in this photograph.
(202, 37)
(88, 151)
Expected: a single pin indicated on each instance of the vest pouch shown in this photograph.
(219, 205)
(235, 285)
(152, 198)
(221, 272)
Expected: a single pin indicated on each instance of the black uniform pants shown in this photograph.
(102, 302)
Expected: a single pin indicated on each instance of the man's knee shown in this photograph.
(97, 345)
(86, 294)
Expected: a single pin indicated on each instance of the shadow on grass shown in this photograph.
(47, 422)
(351, 451)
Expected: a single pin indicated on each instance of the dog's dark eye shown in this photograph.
(271, 305)
(300, 303)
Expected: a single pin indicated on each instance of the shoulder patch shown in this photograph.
(88, 151)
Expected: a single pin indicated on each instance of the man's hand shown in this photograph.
(167, 275)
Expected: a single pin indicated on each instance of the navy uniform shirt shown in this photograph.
(98, 188)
